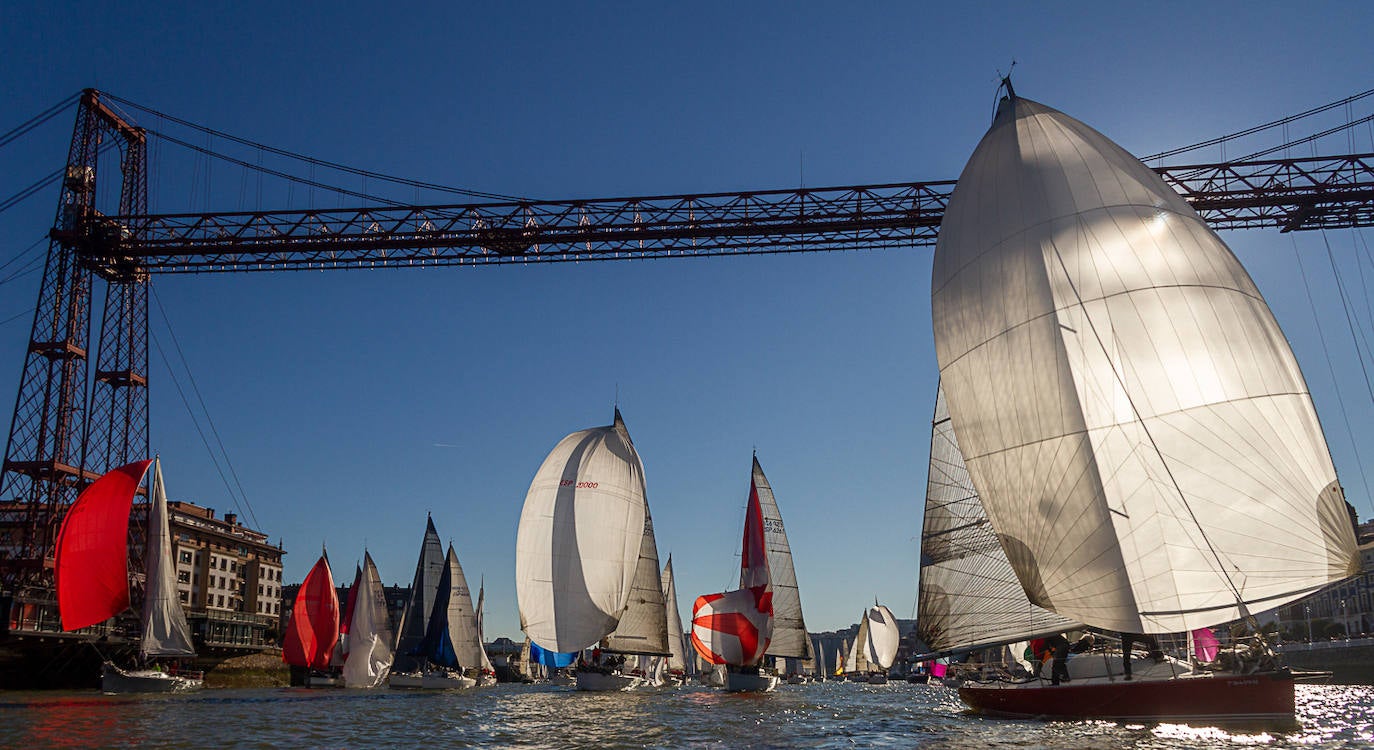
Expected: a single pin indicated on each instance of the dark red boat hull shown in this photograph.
(1264, 698)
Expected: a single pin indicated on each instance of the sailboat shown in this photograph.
(882, 637)
(486, 673)
(312, 633)
(449, 638)
(734, 628)
(368, 663)
(423, 590)
(676, 668)
(586, 563)
(790, 641)
(856, 667)
(93, 581)
(1132, 420)
(820, 671)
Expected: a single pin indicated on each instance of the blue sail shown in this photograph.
(437, 645)
(552, 659)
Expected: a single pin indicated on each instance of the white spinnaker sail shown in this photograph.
(578, 544)
(789, 628)
(423, 591)
(677, 642)
(643, 628)
(165, 632)
(883, 638)
(1124, 399)
(462, 618)
(969, 594)
(369, 635)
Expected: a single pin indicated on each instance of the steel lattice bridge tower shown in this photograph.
(64, 434)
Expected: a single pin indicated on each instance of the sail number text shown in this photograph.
(577, 485)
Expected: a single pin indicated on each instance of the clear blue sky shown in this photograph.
(353, 402)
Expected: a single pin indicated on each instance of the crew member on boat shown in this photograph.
(1148, 641)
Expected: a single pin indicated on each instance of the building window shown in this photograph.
(224, 563)
(184, 596)
(233, 567)
(220, 598)
(259, 589)
(185, 556)
(183, 576)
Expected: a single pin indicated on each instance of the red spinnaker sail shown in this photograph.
(92, 572)
(733, 627)
(753, 559)
(314, 627)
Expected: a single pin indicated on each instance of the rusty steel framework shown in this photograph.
(57, 444)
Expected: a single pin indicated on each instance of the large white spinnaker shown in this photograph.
(165, 631)
(578, 545)
(883, 638)
(969, 594)
(789, 628)
(1136, 425)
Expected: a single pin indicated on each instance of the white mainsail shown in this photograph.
(820, 670)
(577, 549)
(677, 642)
(969, 594)
(643, 628)
(165, 632)
(789, 628)
(462, 619)
(857, 658)
(481, 630)
(1132, 416)
(369, 635)
(883, 638)
(423, 591)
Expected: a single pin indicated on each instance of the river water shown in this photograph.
(830, 715)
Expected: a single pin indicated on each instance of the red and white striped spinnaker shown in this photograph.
(734, 627)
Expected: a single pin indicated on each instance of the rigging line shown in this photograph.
(43, 182)
(22, 253)
(1251, 131)
(24, 270)
(275, 173)
(320, 162)
(195, 421)
(1283, 146)
(1326, 352)
(1340, 288)
(37, 119)
(1130, 399)
(17, 316)
(208, 418)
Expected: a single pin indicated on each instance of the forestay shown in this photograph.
(969, 594)
(578, 544)
(1131, 414)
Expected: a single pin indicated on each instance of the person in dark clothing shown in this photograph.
(1128, 640)
(1056, 646)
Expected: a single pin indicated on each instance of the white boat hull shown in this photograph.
(116, 680)
(432, 680)
(601, 682)
(736, 682)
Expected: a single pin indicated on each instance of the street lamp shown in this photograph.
(1345, 623)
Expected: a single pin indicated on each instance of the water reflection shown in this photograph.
(820, 716)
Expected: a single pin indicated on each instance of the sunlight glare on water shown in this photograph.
(831, 715)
